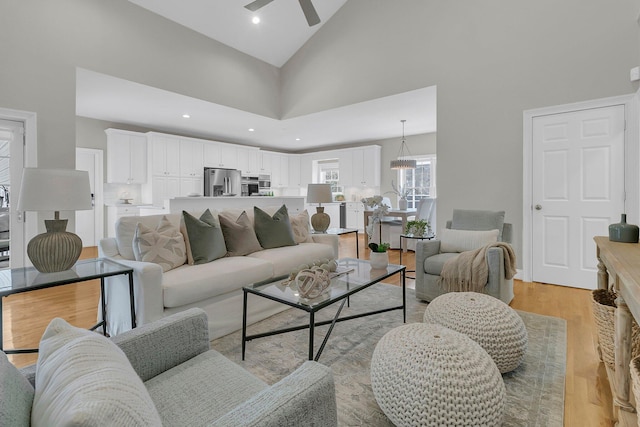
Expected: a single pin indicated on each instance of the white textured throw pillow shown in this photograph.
(466, 240)
(84, 379)
(301, 227)
(164, 246)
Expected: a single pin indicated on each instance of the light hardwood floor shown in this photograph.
(587, 392)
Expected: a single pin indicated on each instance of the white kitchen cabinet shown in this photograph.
(126, 157)
(248, 161)
(191, 185)
(116, 212)
(164, 188)
(191, 158)
(266, 159)
(165, 155)
(220, 155)
(355, 215)
(279, 170)
(306, 170)
(366, 167)
(294, 171)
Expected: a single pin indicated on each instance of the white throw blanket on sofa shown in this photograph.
(469, 271)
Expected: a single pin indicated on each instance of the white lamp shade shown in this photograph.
(54, 190)
(319, 193)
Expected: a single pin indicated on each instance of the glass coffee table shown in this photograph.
(355, 275)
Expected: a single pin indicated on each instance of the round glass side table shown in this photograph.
(416, 237)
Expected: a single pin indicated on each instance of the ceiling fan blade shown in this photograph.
(255, 5)
(309, 12)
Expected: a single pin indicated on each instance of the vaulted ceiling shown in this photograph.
(281, 32)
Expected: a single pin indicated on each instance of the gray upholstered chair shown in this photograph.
(430, 259)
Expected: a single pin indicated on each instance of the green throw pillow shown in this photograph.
(273, 231)
(205, 237)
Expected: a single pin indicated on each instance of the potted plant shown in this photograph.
(402, 192)
(379, 257)
(417, 227)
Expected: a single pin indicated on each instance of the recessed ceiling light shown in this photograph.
(251, 129)
(255, 20)
(186, 116)
(297, 139)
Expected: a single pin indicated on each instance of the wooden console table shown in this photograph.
(620, 262)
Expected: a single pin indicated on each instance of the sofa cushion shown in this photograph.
(301, 227)
(433, 264)
(465, 240)
(239, 235)
(273, 231)
(478, 220)
(164, 245)
(193, 283)
(126, 227)
(84, 379)
(204, 237)
(287, 258)
(16, 395)
(209, 385)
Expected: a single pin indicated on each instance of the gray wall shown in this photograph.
(490, 59)
(44, 41)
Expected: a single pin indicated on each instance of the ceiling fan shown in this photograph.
(306, 5)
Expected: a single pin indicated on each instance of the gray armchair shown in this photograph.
(191, 384)
(429, 258)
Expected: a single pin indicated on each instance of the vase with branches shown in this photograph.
(402, 191)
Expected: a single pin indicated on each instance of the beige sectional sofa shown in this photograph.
(215, 287)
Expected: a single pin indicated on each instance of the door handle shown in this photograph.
(538, 207)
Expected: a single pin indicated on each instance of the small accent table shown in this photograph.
(26, 279)
(411, 236)
(339, 231)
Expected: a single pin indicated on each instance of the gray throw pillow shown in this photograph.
(239, 235)
(273, 231)
(205, 237)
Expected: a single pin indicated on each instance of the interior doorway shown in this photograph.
(11, 165)
(574, 188)
(90, 223)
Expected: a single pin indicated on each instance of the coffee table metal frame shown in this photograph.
(360, 283)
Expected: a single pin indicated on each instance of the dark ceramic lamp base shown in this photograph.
(56, 250)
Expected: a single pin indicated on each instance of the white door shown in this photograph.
(577, 191)
(11, 166)
(90, 223)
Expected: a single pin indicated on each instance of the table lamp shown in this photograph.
(54, 190)
(319, 193)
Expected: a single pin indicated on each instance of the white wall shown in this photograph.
(490, 60)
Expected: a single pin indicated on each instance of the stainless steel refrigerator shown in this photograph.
(222, 182)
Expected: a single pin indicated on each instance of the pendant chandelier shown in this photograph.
(403, 161)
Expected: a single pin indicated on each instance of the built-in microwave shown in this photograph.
(264, 182)
(250, 185)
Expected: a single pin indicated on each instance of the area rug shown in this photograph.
(535, 390)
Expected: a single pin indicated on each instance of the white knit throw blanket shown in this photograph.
(469, 271)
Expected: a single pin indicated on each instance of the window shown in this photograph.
(421, 181)
(329, 174)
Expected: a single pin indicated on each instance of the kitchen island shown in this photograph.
(295, 204)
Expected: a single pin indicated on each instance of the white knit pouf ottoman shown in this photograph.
(428, 375)
(486, 320)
